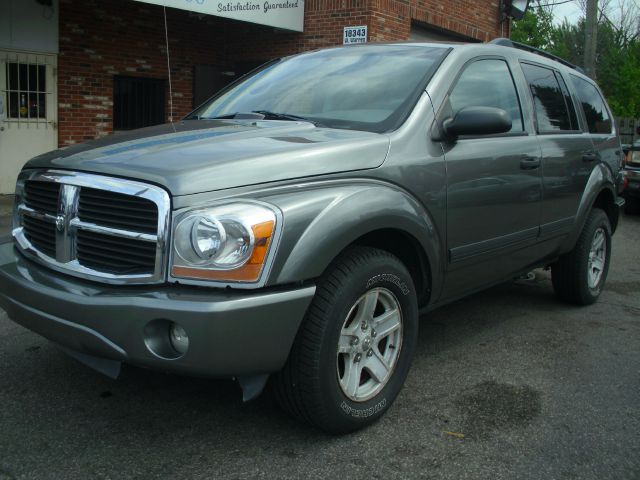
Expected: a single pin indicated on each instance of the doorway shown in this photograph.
(28, 111)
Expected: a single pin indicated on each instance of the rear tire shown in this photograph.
(354, 349)
(578, 277)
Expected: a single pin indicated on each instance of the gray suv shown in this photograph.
(293, 228)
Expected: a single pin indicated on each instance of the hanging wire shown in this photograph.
(166, 37)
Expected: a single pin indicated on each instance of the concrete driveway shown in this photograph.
(506, 384)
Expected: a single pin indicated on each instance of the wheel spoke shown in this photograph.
(598, 241)
(344, 343)
(351, 379)
(377, 367)
(367, 306)
(597, 264)
(387, 323)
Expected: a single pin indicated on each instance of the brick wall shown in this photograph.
(391, 19)
(100, 39)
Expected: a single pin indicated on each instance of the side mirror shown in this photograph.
(477, 121)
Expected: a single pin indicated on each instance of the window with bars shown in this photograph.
(138, 102)
(26, 91)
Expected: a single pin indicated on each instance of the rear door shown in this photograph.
(598, 121)
(568, 155)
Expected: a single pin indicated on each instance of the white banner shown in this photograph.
(285, 14)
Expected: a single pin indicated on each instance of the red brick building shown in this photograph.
(110, 64)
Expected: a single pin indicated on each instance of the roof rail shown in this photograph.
(505, 42)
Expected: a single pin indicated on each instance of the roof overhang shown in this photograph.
(284, 14)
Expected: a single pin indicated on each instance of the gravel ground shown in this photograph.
(506, 384)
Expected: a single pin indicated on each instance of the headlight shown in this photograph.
(228, 242)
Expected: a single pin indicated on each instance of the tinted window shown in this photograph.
(573, 116)
(552, 109)
(488, 83)
(595, 111)
(370, 88)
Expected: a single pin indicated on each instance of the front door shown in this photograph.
(28, 111)
(494, 184)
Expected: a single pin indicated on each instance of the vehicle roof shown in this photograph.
(492, 49)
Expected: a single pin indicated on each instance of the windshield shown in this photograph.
(369, 88)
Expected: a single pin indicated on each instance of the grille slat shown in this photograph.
(46, 231)
(89, 202)
(114, 258)
(117, 210)
(92, 253)
(116, 243)
(140, 223)
(41, 234)
(104, 254)
(115, 254)
(42, 196)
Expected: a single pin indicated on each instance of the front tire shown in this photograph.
(355, 346)
(578, 277)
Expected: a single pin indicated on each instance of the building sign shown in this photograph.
(354, 35)
(285, 14)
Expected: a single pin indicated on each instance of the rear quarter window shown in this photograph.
(595, 110)
(553, 106)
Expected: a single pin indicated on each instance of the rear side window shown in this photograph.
(488, 83)
(553, 106)
(595, 111)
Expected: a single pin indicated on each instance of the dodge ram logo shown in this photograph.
(60, 223)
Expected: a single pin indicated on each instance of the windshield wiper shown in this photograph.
(259, 115)
(286, 116)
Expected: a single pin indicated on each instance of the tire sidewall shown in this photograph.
(343, 413)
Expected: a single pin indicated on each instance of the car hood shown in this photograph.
(197, 156)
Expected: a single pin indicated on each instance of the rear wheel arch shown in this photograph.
(605, 201)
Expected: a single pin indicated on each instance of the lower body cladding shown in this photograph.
(179, 329)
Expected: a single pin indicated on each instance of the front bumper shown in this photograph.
(231, 333)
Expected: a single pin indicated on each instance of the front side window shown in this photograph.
(488, 83)
(595, 111)
(357, 88)
(553, 107)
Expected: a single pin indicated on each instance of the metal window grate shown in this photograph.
(138, 102)
(27, 89)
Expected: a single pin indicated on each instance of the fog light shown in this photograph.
(179, 338)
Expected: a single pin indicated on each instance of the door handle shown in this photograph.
(590, 157)
(529, 163)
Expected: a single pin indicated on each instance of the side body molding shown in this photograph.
(322, 220)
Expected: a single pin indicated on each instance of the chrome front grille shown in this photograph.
(94, 227)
